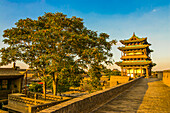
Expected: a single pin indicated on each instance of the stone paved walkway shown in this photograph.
(156, 99)
(146, 96)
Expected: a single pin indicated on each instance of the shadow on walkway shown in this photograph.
(129, 101)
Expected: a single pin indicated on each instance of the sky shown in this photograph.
(118, 18)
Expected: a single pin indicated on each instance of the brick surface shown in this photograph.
(156, 99)
(146, 96)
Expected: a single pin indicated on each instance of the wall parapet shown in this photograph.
(87, 103)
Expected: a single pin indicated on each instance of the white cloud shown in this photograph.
(154, 10)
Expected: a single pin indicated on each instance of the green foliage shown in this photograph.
(117, 72)
(95, 74)
(109, 72)
(35, 87)
(86, 87)
(57, 44)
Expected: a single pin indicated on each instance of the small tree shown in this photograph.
(35, 87)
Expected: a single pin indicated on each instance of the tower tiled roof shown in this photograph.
(133, 47)
(134, 38)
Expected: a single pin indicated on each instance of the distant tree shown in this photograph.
(54, 45)
(109, 72)
(116, 72)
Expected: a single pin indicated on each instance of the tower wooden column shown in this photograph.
(147, 72)
(141, 71)
(126, 71)
(133, 72)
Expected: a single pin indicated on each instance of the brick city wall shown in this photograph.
(87, 103)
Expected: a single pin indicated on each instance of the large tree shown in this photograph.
(55, 45)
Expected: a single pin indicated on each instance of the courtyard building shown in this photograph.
(10, 81)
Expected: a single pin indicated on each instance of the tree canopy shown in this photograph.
(55, 43)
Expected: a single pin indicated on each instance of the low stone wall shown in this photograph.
(40, 96)
(115, 80)
(166, 77)
(19, 102)
(87, 103)
(2, 111)
(4, 93)
(37, 108)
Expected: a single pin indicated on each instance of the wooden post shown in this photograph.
(127, 71)
(149, 71)
(26, 82)
(35, 98)
(14, 65)
(30, 109)
(121, 71)
(147, 74)
(133, 72)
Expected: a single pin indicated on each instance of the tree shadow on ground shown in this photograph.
(128, 101)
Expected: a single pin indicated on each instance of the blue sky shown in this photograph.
(118, 18)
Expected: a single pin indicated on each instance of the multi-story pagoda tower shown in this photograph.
(136, 57)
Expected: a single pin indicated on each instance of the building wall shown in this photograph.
(19, 84)
(15, 86)
(159, 75)
(166, 77)
(4, 93)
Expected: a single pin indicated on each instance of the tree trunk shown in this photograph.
(44, 87)
(55, 81)
(54, 86)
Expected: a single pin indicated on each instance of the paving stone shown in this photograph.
(147, 96)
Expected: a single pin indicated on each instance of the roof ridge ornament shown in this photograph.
(133, 37)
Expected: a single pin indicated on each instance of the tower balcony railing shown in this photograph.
(136, 61)
(134, 56)
(133, 45)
